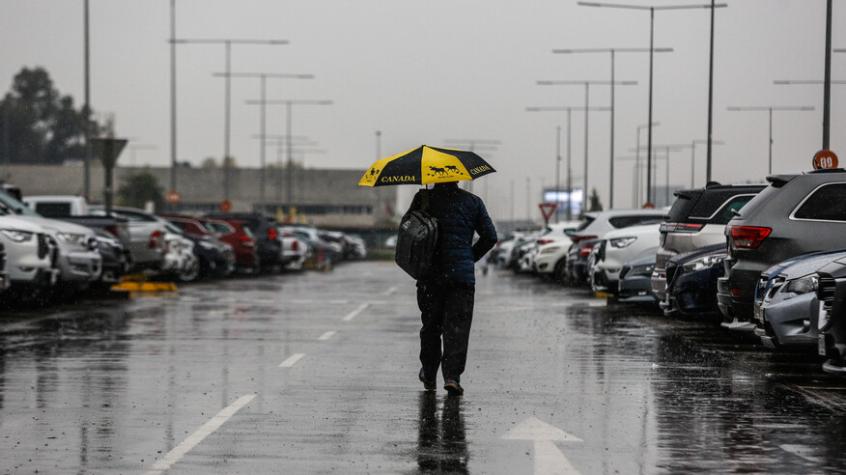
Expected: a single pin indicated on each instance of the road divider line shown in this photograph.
(391, 290)
(291, 360)
(356, 312)
(326, 336)
(199, 435)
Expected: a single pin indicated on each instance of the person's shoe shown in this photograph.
(453, 388)
(428, 384)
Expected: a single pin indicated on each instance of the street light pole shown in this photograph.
(613, 52)
(227, 43)
(289, 105)
(86, 185)
(638, 149)
(587, 109)
(693, 145)
(557, 171)
(172, 96)
(262, 112)
(827, 87)
(652, 9)
(769, 110)
(569, 110)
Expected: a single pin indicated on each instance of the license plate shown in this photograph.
(821, 346)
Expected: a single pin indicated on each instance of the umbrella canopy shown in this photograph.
(425, 165)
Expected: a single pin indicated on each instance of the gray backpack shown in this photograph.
(417, 240)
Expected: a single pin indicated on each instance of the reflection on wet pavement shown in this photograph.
(114, 386)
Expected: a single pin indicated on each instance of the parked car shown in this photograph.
(634, 284)
(691, 282)
(295, 251)
(116, 258)
(243, 242)
(324, 253)
(266, 232)
(4, 278)
(615, 249)
(794, 215)
(552, 249)
(30, 253)
(358, 248)
(75, 209)
(216, 257)
(180, 259)
(786, 305)
(697, 220)
(831, 315)
(78, 260)
(146, 236)
(593, 229)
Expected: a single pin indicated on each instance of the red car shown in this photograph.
(238, 235)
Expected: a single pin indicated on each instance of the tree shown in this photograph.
(139, 188)
(209, 162)
(595, 204)
(38, 124)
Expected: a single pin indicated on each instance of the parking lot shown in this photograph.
(316, 372)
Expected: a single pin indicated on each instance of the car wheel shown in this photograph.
(558, 274)
(191, 274)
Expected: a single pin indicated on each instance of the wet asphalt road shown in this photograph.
(192, 383)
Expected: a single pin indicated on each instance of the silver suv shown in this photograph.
(697, 219)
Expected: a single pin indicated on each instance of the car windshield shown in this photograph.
(15, 206)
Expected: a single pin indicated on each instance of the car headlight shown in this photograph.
(802, 285)
(703, 263)
(72, 238)
(207, 245)
(620, 243)
(642, 270)
(17, 236)
(550, 250)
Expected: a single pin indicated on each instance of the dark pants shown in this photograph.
(446, 309)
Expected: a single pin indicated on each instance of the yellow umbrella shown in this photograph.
(425, 165)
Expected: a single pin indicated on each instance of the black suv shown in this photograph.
(795, 215)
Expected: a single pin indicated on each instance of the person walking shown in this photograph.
(446, 295)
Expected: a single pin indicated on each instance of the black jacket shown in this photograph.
(459, 214)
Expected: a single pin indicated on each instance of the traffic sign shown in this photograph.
(825, 159)
(547, 209)
(108, 149)
(173, 197)
(225, 206)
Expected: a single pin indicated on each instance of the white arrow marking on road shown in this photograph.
(548, 459)
(326, 336)
(291, 360)
(391, 290)
(199, 435)
(357, 311)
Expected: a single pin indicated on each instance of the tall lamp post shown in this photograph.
(587, 109)
(667, 149)
(86, 107)
(693, 145)
(827, 83)
(770, 109)
(227, 121)
(638, 167)
(289, 105)
(652, 9)
(569, 121)
(263, 113)
(613, 53)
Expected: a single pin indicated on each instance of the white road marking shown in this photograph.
(391, 290)
(291, 360)
(199, 435)
(326, 336)
(548, 459)
(804, 451)
(356, 312)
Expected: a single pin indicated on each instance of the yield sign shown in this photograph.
(547, 209)
(108, 149)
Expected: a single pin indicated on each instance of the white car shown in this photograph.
(179, 258)
(30, 253)
(616, 249)
(79, 261)
(295, 251)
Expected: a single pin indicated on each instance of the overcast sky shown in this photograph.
(422, 72)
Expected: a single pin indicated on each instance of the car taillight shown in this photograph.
(295, 246)
(272, 233)
(155, 240)
(543, 241)
(748, 237)
(681, 228)
(576, 239)
(112, 229)
(585, 251)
